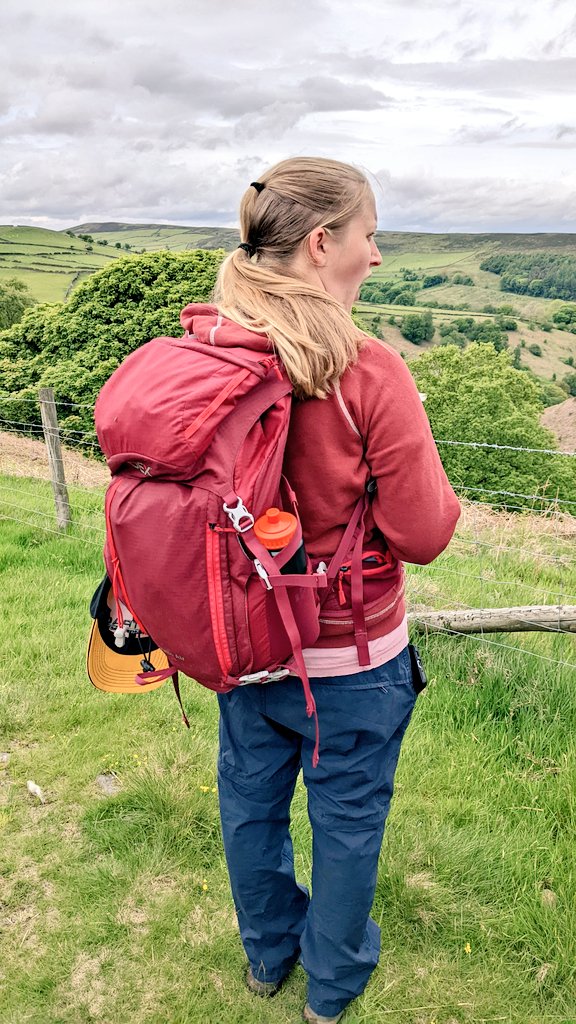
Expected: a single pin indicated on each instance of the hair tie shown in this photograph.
(257, 185)
(250, 249)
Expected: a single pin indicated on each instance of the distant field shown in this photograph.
(152, 237)
(50, 263)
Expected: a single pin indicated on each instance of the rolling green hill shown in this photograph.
(50, 263)
(152, 237)
(53, 263)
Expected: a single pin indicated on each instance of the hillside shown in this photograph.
(151, 237)
(53, 263)
(387, 241)
(561, 420)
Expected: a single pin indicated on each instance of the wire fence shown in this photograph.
(495, 556)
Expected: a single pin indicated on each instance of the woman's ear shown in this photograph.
(316, 246)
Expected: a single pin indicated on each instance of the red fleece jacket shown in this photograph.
(373, 425)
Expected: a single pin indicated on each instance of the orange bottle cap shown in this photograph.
(275, 528)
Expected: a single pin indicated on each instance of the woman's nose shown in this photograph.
(376, 256)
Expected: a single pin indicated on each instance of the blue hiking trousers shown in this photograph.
(265, 738)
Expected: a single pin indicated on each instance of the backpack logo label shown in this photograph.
(142, 468)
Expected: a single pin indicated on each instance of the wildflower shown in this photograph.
(468, 948)
(204, 789)
(204, 885)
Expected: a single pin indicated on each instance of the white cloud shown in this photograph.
(131, 111)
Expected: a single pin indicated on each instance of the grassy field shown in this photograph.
(152, 237)
(115, 907)
(50, 263)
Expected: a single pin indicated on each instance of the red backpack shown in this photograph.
(194, 435)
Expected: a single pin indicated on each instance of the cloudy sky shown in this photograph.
(133, 110)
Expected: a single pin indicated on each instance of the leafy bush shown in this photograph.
(569, 381)
(506, 323)
(387, 292)
(476, 395)
(431, 280)
(405, 298)
(535, 349)
(75, 346)
(565, 316)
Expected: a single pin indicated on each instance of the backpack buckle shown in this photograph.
(239, 515)
(262, 573)
(264, 677)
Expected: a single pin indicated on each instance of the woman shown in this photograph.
(307, 230)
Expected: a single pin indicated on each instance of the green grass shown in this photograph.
(117, 909)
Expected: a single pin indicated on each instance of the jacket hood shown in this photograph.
(205, 323)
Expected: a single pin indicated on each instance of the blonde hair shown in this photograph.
(311, 331)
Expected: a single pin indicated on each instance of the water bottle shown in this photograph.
(275, 529)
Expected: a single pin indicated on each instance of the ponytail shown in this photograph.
(313, 334)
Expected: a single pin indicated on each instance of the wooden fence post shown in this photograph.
(527, 618)
(52, 438)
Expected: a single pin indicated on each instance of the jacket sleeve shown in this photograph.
(414, 506)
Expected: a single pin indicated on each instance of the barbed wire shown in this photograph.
(46, 529)
(507, 447)
(35, 401)
(442, 629)
(499, 583)
(464, 444)
(499, 506)
(517, 494)
(413, 577)
(541, 555)
(75, 506)
(495, 643)
(50, 515)
(38, 426)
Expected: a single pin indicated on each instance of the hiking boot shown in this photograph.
(266, 989)
(316, 1018)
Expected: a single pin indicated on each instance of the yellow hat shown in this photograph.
(113, 668)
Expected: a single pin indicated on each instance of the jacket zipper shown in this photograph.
(216, 599)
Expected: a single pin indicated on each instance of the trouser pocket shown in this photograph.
(419, 679)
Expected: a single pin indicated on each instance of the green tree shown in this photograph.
(569, 380)
(15, 297)
(476, 395)
(417, 327)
